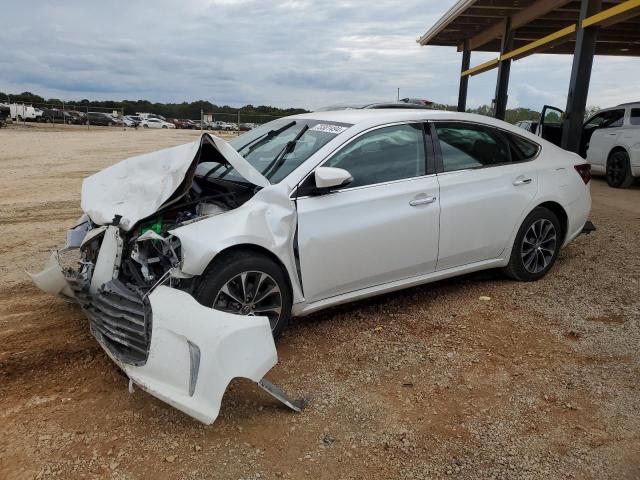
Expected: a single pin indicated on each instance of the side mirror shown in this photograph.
(328, 178)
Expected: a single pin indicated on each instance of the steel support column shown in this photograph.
(464, 79)
(580, 75)
(502, 83)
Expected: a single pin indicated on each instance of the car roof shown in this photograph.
(388, 115)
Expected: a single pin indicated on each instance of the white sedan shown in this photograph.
(193, 256)
(156, 123)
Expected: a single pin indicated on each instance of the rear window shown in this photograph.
(521, 148)
(635, 116)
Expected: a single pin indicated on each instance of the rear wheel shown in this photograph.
(619, 170)
(536, 246)
(248, 283)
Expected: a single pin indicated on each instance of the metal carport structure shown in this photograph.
(517, 28)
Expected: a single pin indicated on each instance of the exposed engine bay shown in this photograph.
(148, 250)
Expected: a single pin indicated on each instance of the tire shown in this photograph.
(146, 126)
(164, 126)
(619, 170)
(536, 246)
(262, 272)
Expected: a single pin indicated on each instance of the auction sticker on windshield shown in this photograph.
(325, 127)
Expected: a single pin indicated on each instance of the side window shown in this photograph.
(470, 146)
(383, 155)
(521, 148)
(635, 116)
(607, 119)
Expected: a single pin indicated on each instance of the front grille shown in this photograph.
(120, 318)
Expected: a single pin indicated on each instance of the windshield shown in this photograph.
(277, 148)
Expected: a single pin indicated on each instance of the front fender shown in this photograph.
(268, 220)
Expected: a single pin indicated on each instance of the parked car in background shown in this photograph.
(156, 123)
(5, 114)
(54, 115)
(20, 112)
(528, 125)
(180, 123)
(101, 118)
(130, 122)
(608, 140)
(245, 127)
(76, 117)
(227, 126)
(191, 124)
(144, 116)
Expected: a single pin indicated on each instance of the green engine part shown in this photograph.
(156, 226)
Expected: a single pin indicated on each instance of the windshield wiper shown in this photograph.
(278, 160)
(253, 144)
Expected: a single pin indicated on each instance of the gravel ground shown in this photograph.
(541, 380)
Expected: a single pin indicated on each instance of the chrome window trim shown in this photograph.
(292, 195)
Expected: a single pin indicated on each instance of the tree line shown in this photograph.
(169, 110)
(192, 109)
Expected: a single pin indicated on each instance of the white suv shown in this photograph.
(610, 140)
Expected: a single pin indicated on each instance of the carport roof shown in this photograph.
(481, 23)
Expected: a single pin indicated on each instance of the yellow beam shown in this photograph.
(537, 45)
(483, 67)
(620, 12)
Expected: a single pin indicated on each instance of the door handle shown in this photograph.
(422, 201)
(522, 181)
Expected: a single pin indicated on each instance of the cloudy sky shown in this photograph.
(305, 53)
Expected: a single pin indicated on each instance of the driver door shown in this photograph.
(380, 228)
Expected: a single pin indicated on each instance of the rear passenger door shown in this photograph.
(487, 182)
(602, 131)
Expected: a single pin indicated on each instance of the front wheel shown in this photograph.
(619, 170)
(248, 283)
(536, 246)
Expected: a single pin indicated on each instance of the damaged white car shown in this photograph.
(187, 260)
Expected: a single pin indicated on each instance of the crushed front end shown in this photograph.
(127, 278)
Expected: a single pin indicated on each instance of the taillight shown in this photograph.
(584, 170)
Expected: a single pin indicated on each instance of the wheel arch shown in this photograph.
(559, 211)
(617, 148)
(254, 248)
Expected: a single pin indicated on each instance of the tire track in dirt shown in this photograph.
(52, 211)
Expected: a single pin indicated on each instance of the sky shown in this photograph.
(285, 53)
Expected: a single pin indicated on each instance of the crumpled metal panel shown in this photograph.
(268, 220)
(138, 186)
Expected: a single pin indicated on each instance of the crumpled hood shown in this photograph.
(138, 186)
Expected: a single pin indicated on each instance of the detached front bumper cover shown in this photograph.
(194, 351)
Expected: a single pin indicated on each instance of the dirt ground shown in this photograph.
(540, 381)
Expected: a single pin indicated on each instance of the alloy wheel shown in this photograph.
(616, 169)
(251, 293)
(538, 245)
